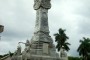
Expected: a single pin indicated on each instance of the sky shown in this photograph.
(18, 18)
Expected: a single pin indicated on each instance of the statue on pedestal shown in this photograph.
(26, 52)
(27, 45)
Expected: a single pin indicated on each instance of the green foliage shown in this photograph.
(84, 48)
(88, 58)
(61, 39)
(1, 56)
(10, 54)
(73, 58)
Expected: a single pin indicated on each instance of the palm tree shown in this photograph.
(61, 40)
(84, 48)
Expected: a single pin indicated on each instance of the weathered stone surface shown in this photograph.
(41, 21)
(41, 37)
(42, 3)
(42, 47)
(41, 28)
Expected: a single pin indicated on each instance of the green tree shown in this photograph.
(73, 58)
(84, 48)
(61, 39)
(88, 58)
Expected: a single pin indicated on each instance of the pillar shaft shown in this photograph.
(42, 20)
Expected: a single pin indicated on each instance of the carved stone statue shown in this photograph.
(17, 53)
(27, 46)
(26, 53)
(42, 3)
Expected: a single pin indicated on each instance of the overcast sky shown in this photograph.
(18, 18)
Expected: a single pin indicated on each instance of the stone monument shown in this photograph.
(41, 46)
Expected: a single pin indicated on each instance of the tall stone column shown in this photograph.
(41, 27)
(41, 7)
(42, 21)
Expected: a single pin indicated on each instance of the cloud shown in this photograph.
(18, 20)
(84, 26)
(18, 17)
(83, 18)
